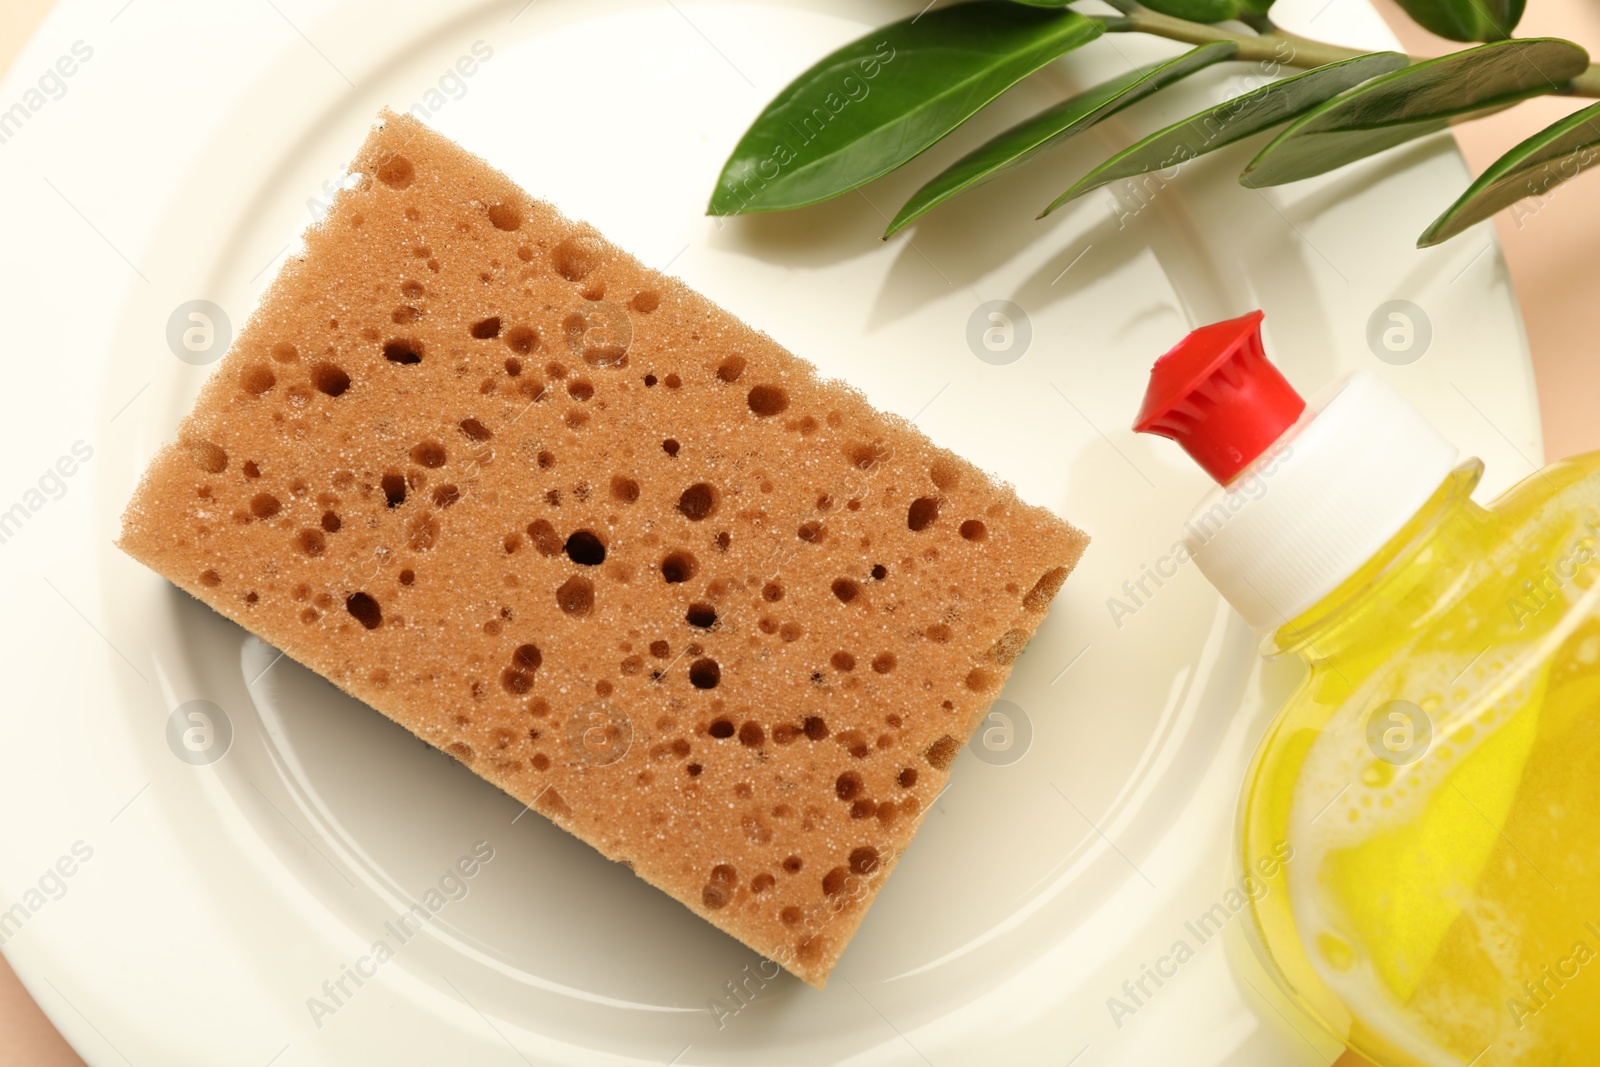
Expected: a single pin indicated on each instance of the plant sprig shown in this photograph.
(870, 107)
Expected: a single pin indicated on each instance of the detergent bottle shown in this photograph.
(1435, 780)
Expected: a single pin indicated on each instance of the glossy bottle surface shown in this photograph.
(1437, 778)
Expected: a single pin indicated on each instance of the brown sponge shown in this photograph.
(622, 555)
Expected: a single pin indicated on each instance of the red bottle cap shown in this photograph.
(1217, 395)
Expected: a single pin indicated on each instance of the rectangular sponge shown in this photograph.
(614, 550)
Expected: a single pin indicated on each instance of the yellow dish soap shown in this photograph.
(1436, 777)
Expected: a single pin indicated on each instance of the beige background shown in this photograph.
(1547, 253)
(26, 1037)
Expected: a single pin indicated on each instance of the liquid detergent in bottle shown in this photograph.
(1436, 777)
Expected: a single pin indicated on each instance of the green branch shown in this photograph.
(824, 135)
(1270, 44)
(1274, 45)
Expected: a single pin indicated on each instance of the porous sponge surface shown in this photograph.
(619, 553)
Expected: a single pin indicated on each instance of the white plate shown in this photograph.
(180, 162)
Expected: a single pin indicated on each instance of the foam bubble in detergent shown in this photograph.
(1357, 815)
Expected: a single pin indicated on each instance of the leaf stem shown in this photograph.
(1587, 83)
(1273, 45)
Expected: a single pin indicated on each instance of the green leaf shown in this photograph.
(1233, 120)
(1419, 100)
(881, 100)
(1055, 125)
(1466, 20)
(1555, 154)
